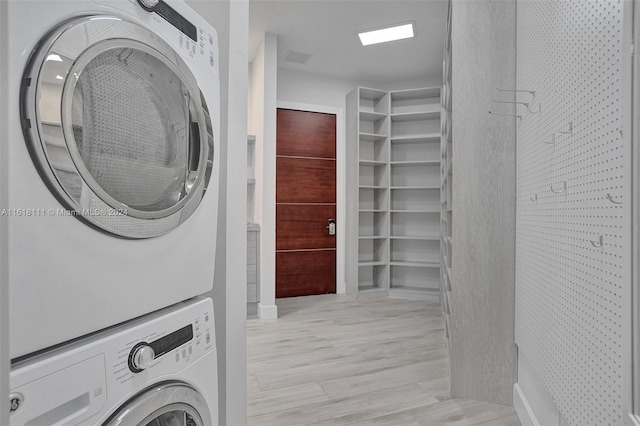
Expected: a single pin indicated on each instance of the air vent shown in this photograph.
(296, 57)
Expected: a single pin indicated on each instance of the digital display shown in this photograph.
(177, 20)
(172, 341)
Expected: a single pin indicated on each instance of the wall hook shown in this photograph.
(610, 198)
(598, 242)
(531, 92)
(569, 131)
(552, 141)
(559, 191)
(534, 198)
(519, 117)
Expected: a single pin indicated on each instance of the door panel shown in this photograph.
(304, 226)
(305, 273)
(304, 134)
(304, 180)
(305, 201)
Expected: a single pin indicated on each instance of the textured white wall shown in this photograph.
(262, 124)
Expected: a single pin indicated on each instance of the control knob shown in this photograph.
(148, 5)
(141, 357)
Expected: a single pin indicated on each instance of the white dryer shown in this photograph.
(113, 163)
(159, 370)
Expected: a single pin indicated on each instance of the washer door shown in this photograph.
(118, 126)
(167, 404)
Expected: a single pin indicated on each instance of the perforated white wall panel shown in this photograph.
(572, 208)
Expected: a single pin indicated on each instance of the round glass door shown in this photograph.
(118, 126)
(167, 404)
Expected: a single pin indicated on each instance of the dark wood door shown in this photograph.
(305, 201)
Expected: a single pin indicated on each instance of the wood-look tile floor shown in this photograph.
(333, 360)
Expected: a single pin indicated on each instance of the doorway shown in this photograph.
(305, 203)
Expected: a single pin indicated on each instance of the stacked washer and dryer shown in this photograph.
(113, 201)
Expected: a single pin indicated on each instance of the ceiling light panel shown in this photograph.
(383, 35)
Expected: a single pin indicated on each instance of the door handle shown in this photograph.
(332, 227)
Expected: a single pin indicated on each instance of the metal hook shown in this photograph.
(526, 104)
(532, 92)
(559, 191)
(598, 242)
(568, 132)
(535, 112)
(610, 198)
(534, 198)
(519, 117)
(552, 141)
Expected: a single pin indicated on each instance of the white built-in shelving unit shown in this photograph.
(393, 237)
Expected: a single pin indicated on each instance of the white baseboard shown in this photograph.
(267, 312)
(523, 409)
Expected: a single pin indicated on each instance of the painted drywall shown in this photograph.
(4, 282)
(230, 18)
(262, 124)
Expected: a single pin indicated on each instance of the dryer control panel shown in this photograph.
(180, 26)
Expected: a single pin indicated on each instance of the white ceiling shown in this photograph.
(327, 30)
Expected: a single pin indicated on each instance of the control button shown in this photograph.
(177, 356)
(211, 40)
(190, 350)
(208, 338)
(181, 40)
(211, 60)
(206, 316)
(184, 353)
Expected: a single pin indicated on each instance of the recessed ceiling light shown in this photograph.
(383, 35)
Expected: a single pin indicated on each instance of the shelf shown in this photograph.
(415, 163)
(415, 211)
(251, 139)
(372, 163)
(251, 181)
(371, 187)
(371, 137)
(425, 137)
(376, 263)
(372, 237)
(372, 116)
(415, 187)
(372, 211)
(371, 94)
(421, 238)
(404, 95)
(415, 116)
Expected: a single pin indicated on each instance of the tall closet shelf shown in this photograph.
(393, 211)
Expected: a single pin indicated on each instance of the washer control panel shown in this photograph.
(164, 348)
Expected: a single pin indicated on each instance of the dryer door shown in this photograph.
(167, 404)
(117, 125)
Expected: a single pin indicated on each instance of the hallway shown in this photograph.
(334, 360)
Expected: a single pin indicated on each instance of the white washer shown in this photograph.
(113, 163)
(161, 367)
